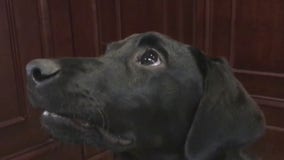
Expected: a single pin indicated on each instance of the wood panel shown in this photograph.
(145, 16)
(273, 110)
(84, 27)
(189, 20)
(259, 35)
(121, 18)
(56, 21)
(8, 78)
(33, 29)
(269, 147)
(109, 23)
(18, 48)
(219, 28)
(26, 33)
(49, 150)
(262, 83)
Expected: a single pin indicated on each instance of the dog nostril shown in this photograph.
(40, 70)
(39, 76)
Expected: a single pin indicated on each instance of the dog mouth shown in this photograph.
(76, 122)
(83, 126)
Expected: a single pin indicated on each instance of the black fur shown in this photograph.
(188, 107)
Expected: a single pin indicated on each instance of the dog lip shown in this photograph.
(76, 121)
(115, 139)
(81, 124)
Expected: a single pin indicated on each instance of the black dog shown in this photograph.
(148, 98)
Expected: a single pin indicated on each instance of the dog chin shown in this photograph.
(81, 132)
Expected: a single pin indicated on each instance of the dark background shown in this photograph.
(249, 33)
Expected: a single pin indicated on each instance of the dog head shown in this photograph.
(147, 93)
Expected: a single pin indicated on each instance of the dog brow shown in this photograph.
(153, 41)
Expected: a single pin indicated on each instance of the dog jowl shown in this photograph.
(148, 97)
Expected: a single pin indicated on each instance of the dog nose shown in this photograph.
(40, 70)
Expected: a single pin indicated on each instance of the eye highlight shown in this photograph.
(150, 57)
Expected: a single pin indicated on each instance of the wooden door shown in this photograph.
(249, 33)
(31, 29)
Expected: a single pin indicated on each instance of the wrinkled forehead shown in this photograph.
(149, 39)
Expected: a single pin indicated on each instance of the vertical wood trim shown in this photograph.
(209, 26)
(99, 27)
(71, 28)
(17, 67)
(84, 152)
(165, 16)
(47, 41)
(199, 23)
(194, 19)
(96, 46)
(180, 20)
(118, 19)
(232, 34)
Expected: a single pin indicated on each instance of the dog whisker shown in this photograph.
(102, 116)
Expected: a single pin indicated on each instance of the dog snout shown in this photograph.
(41, 70)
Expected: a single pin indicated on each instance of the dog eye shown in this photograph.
(150, 58)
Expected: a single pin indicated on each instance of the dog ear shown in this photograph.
(226, 117)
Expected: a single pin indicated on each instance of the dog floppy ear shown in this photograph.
(226, 117)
